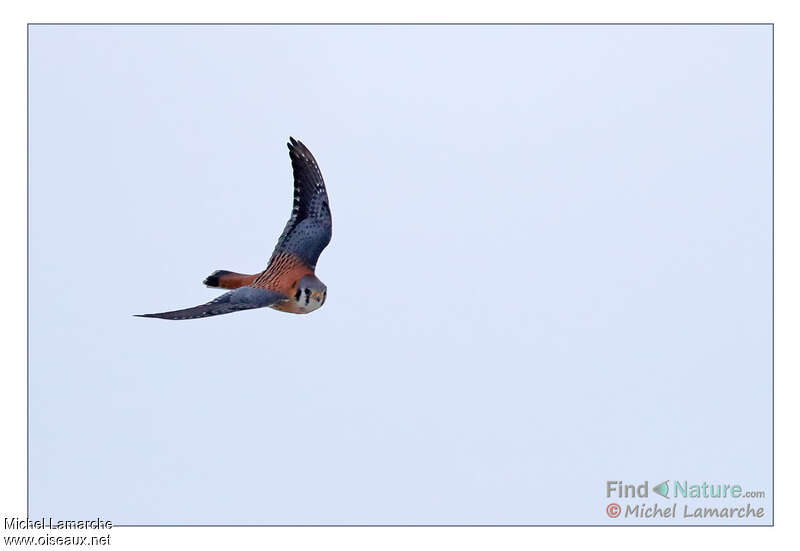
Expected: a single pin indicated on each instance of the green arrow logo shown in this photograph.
(662, 489)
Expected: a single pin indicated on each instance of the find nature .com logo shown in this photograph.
(617, 489)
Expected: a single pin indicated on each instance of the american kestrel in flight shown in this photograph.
(288, 283)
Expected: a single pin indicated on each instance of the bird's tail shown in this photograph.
(228, 280)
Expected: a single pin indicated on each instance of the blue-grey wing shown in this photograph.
(308, 231)
(243, 298)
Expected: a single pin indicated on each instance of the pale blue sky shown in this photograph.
(550, 267)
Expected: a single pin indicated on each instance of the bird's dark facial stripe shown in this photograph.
(297, 294)
(308, 295)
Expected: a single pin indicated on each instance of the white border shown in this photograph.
(13, 20)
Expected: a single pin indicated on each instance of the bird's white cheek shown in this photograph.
(312, 305)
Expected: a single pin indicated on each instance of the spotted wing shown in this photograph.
(308, 231)
(243, 298)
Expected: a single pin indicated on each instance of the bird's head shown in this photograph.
(311, 293)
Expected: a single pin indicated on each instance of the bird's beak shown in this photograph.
(316, 295)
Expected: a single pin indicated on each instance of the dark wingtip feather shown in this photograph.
(163, 316)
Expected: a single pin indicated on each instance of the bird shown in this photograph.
(288, 283)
